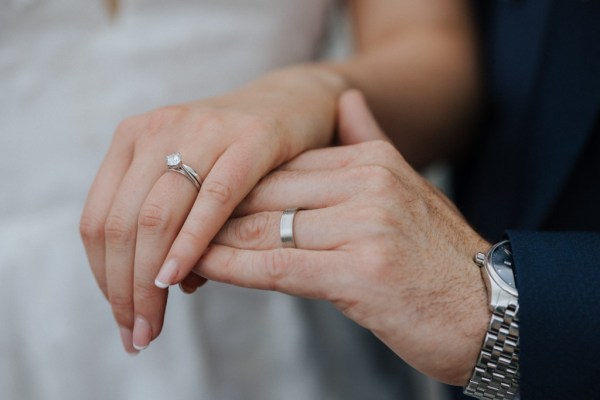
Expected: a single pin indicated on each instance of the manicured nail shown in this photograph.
(166, 274)
(187, 289)
(127, 339)
(142, 333)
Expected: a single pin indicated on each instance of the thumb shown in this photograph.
(356, 123)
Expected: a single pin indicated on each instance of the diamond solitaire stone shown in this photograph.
(173, 160)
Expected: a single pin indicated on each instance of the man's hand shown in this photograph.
(375, 239)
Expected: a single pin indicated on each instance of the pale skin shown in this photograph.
(375, 239)
(144, 229)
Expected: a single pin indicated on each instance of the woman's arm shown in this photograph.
(417, 65)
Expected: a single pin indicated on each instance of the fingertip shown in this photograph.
(127, 339)
(187, 289)
(356, 122)
(167, 274)
(161, 285)
(192, 282)
(142, 334)
(351, 94)
(139, 348)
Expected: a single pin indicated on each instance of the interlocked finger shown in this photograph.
(312, 274)
(321, 229)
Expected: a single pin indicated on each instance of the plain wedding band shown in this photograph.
(286, 227)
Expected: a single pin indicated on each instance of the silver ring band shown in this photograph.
(175, 164)
(286, 228)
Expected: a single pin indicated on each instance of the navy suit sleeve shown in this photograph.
(558, 278)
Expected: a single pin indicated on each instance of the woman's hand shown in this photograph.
(142, 226)
(416, 63)
(374, 238)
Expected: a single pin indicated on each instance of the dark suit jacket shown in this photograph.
(535, 177)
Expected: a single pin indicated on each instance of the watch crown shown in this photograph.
(479, 259)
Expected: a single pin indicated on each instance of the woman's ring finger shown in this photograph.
(175, 163)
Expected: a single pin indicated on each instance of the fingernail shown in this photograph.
(166, 274)
(142, 333)
(187, 289)
(127, 339)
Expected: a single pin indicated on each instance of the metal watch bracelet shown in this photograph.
(496, 374)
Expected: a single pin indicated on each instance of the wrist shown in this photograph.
(299, 103)
(321, 79)
(474, 338)
(476, 316)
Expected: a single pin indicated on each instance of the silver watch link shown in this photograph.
(496, 374)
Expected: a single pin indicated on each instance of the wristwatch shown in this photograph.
(496, 374)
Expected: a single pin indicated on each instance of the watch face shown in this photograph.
(502, 262)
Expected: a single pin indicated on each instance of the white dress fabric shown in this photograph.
(68, 75)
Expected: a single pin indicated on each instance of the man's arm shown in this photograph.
(558, 276)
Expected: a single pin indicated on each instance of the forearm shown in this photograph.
(418, 69)
(424, 100)
(557, 278)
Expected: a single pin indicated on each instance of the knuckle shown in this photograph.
(91, 229)
(210, 120)
(120, 301)
(275, 178)
(153, 217)
(379, 178)
(386, 153)
(382, 176)
(229, 271)
(377, 259)
(144, 291)
(163, 117)
(380, 217)
(129, 125)
(361, 172)
(382, 148)
(117, 230)
(277, 268)
(375, 221)
(191, 237)
(217, 192)
(122, 307)
(253, 229)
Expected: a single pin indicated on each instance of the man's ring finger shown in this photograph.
(286, 228)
